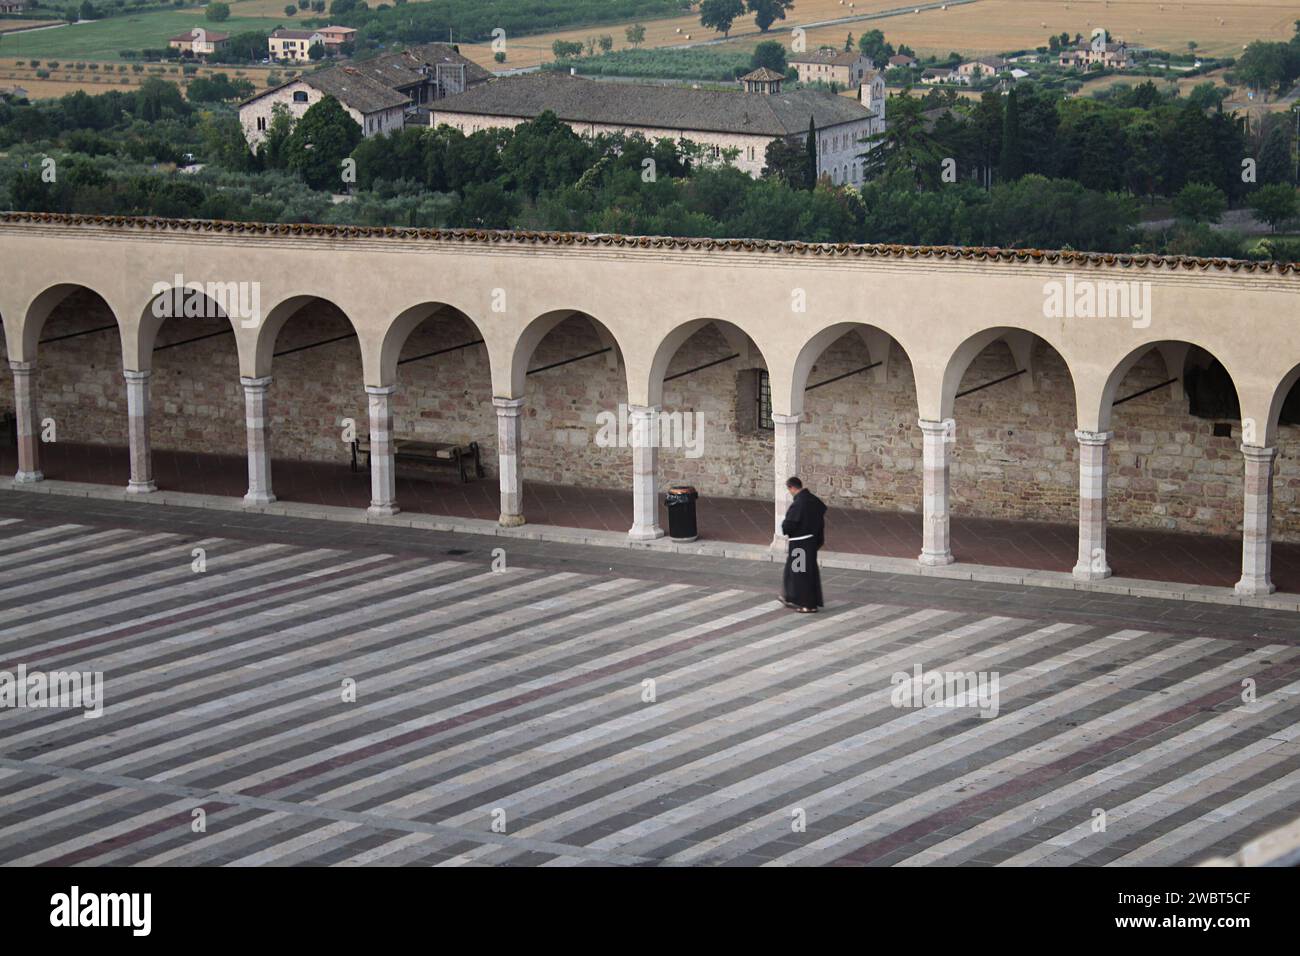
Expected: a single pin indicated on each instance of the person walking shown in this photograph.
(805, 530)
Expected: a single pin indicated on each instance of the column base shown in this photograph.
(255, 498)
(134, 487)
(933, 560)
(24, 477)
(779, 541)
(1254, 587)
(511, 521)
(645, 534)
(382, 511)
(1083, 571)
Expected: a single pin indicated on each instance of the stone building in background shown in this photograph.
(721, 121)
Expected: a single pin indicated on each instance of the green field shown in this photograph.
(102, 39)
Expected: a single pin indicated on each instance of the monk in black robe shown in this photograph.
(805, 527)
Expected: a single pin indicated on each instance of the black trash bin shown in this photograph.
(681, 512)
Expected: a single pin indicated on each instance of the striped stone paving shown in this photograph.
(542, 716)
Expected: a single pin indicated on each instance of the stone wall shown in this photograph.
(1015, 454)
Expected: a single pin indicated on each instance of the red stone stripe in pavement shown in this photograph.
(1135, 553)
(1284, 672)
(182, 819)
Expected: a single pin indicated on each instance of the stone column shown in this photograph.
(257, 421)
(785, 462)
(936, 547)
(1093, 469)
(509, 444)
(137, 410)
(1257, 522)
(645, 472)
(383, 467)
(29, 441)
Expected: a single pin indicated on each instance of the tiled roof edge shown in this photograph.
(822, 249)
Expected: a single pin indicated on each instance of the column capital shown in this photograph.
(1258, 453)
(1093, 438)
(136, 375)
(262, 382)
(508, 406)
(381, 389)
(642, 411)
(21, 368)
(944, 427)
(787, 419)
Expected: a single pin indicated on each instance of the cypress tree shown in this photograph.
(1011, 161)
(812, 153)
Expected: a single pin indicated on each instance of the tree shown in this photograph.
(1275, 164)
(905, 147)
(156, 98)
(720, 14)
(1200, 202)
(787, 160)
(1010, 161)
(88, 11)
(769, 54)
(217, 88)
(484, 206)
(1265, 65)
(545, 154)
(635, 34)
(217, 12)
(606, 43)
(767, 12)
(290, 9)
(872, 44)
(319, 143)
(566, 49)
(810, 146)
(223, 142)
(1275, 204)
(316, 51)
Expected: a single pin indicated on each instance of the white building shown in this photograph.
(376, 108)
(720, 121)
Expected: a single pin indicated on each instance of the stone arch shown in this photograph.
(43, 305)
(189, 344)
(258, 363)
(1021, 343)
(399, 331)
(1014, 410)
(751, 354)
(879, 345)
(173, 305)
(1281, 394)
(531, 336)
(1174, 354)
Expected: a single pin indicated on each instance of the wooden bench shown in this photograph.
(411, 452)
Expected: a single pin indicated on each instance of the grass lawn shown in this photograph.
(102, 39)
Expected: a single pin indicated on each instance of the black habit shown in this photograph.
(805, 527)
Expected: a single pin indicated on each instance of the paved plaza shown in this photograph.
(347, 694)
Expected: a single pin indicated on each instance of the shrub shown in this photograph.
(43, 74)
